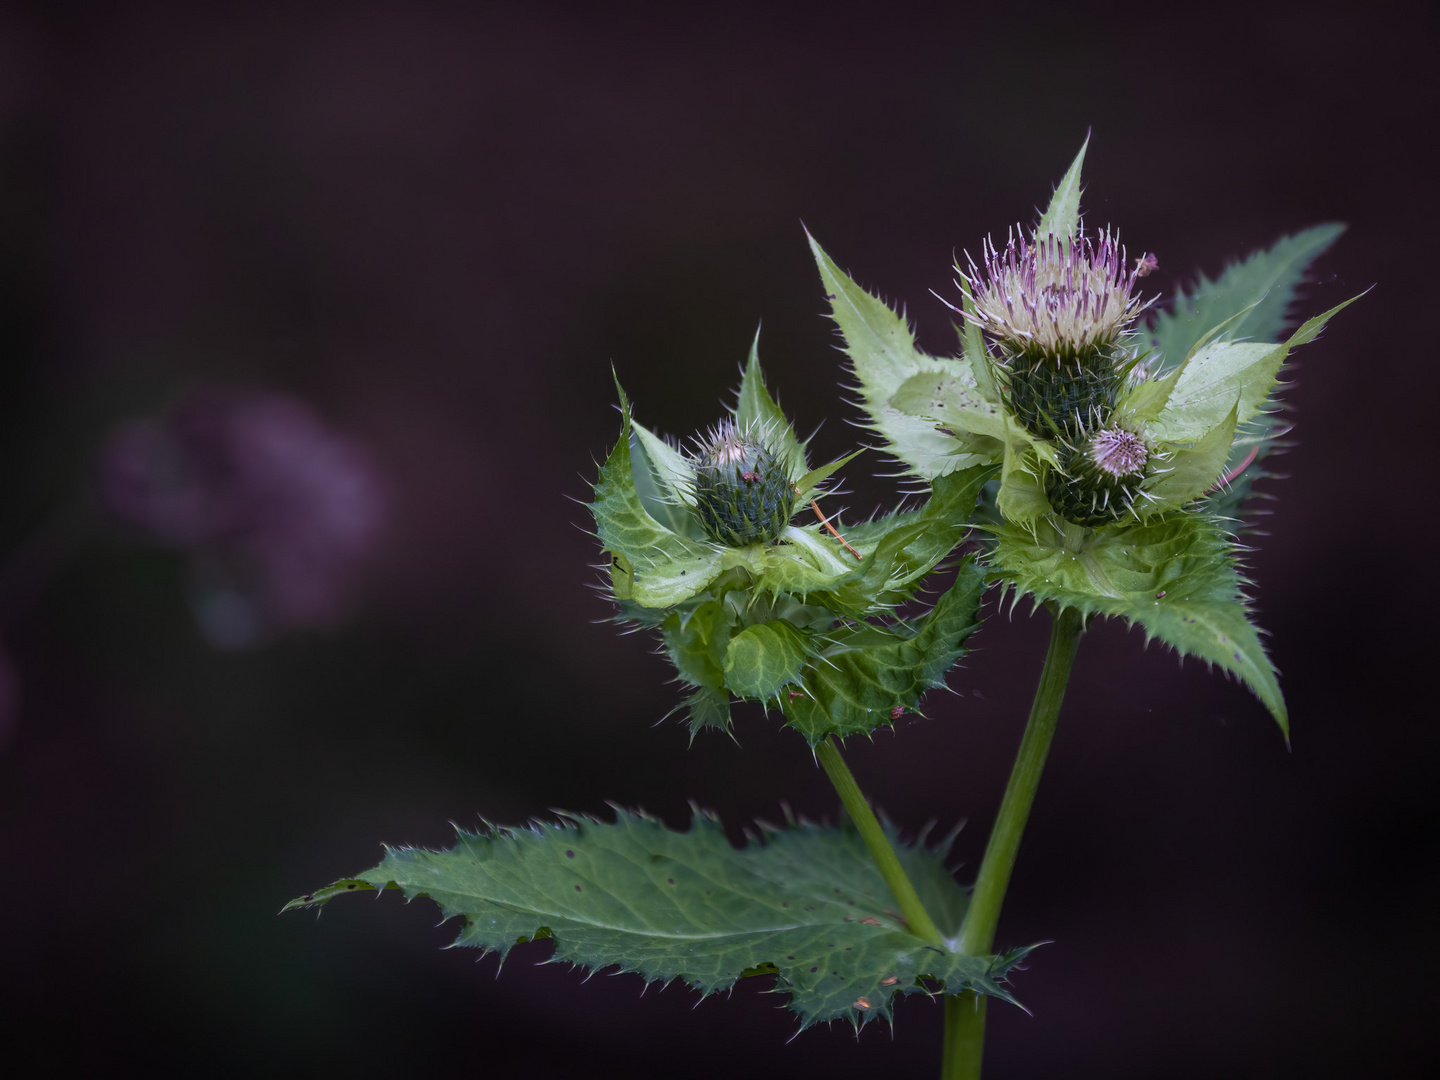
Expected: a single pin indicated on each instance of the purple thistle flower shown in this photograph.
(1055, 294)
(1117, 452)
(277, 512)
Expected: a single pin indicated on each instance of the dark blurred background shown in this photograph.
(436, 229)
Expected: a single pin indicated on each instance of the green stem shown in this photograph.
(964, 1021)
(913, 911)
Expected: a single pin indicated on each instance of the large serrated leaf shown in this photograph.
(1062, 216)
(806, 905)
(954, 400)
(1175, 575)
(883, 354)
(1265, 283)
(867, 676)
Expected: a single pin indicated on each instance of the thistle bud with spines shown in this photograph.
(742, 490)
(1099, 480)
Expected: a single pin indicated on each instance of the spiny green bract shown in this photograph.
(803, 903)
(797, 618)
(1107, 436)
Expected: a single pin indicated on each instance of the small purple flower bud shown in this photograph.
(1118, 452)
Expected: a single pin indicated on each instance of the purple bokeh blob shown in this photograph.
(278, 513)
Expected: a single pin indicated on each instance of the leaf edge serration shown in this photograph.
(912, 965)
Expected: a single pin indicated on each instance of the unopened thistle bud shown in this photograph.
(1058, 308)
(743, 491)
(1101, 478)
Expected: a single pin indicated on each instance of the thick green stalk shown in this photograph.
(913, 911)
(964, 1016)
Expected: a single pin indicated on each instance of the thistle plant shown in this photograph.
(1098, 455)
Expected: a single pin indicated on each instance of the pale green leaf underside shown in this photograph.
(900, 549)
(883, 354)
(805, 905)
(954, 400)
(664, 567)
(1225, 376)
(658, 493)
(1190, 472)
(1175, 576)
(1062, 216)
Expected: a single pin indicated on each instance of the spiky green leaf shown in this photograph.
(663, 567)
(1226, 374)
(1175, 575)
(755, 409)
(1190, 472)
(806, 485)
(1265, 283)
(867, 676)
(1021, 498)
(805, 903)
(697, 641)
(764, 659)
(1062, 216)
(658, 492)
(899, 550)
(883, 354)
(953, 399)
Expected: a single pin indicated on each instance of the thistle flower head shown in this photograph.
(1053, 294)
(1117, 452)
(742, 488)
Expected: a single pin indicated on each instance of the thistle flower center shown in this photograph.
(1118, 452)
(1053, 293)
